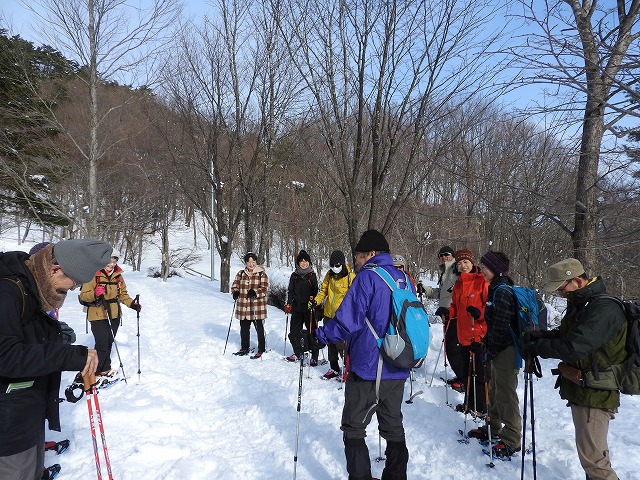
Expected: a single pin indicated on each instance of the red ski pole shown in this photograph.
(102, 435)
(88, 389)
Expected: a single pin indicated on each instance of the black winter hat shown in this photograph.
(372, 240)
(303, 255)
(336, 258)
(497, 262)
(446, 249)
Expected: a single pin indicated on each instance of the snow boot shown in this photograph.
(58, 447)
(51, 472)
(313, 363)
(330, 374)
(256, 356)
(292, 358)
(503, 451)
(243, 351)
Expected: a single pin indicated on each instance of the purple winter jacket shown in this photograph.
(370, 297)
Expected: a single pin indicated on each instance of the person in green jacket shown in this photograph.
(593, 330)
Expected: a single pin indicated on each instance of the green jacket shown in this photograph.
(591, 325)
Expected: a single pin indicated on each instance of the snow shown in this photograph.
(196, 413)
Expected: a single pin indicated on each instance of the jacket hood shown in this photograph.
(582, 295)
(13, 263)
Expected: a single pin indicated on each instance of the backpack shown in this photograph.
(23, 295)
(406, 341)
(531, 313)
(624, 376)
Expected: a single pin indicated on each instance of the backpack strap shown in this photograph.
(23, 296)
(379, 341)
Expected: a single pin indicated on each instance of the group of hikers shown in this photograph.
(348, 311)
(479, 313)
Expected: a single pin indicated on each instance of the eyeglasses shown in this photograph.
(441, 255)
(361, 254)
(564, 285)
(337, 265)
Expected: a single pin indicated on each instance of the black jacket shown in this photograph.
(301, 288)
(32, 356)
(500, 315)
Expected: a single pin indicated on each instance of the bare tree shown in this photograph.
(588, 51)
(109, 39)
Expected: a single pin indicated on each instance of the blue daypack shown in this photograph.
(532, 315)
(406, 341)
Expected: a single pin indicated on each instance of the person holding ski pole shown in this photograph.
(249, 290)
(33, 354)
(303, 285)
(501, 316)
(334, 287)
(591, 336)
(369, 297)
(102, 297)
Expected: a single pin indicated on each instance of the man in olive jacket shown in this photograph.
(32, 353)
(593, 329)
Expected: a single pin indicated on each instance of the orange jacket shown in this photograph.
(470, 289)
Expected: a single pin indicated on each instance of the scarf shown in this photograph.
(40, 267)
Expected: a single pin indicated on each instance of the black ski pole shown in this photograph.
(486, 366)
(286, 326)
(303, 335)
(533, 420)
(107, 309)
(137, 300)
(527, 378)
(229, 331)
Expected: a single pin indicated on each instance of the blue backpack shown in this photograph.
(406, 341)
(532, 315)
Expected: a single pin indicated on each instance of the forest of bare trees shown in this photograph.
(273, 126)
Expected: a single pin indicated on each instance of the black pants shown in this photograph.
(104, 341)
(334, 360)
(455, 357)
(360, 395)
(297, 322)
(245, 325)
(475, 381)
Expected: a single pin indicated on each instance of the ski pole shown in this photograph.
(92, 392)
(229, 331)
(89, 393)
(137, 300)
(533, 427)
(295, 456)
(380, 458)
(286, 326)
(107, 310)
(435, 365)
(102, 435)
(488, 418)
(445, 329)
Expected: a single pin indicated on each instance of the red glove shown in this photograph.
(287, 308)
(99, 291)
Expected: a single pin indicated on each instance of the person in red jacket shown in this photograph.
(470, 293)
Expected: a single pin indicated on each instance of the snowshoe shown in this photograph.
(313, 363)
(58, 447)
(51, 472)
(502, 451)
(292, 358)
(330, 374)
(243, 351)
(458, 387)
(256, 356)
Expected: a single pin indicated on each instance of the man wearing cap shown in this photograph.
(593, 329)
(31, 347)
(369, 297)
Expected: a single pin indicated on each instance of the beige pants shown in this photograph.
(505, 406)
(592, 428)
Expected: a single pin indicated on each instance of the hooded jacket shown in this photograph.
(115, 292)
(591, 326)
(33, 356)
(333, 289)
(471, 289)
(302, 286)
(368, 297)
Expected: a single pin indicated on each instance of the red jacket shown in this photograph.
(471, 289)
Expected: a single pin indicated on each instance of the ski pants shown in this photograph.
(360, 395)
(104, 341)
(332, 353)
(592, 429)
(245, 325)
(504, 403)
(299, 321)
(27, 465)
(453, 350)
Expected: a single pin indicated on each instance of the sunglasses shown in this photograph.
(440, 255)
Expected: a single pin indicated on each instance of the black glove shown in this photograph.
(301, 341)
(529, 350)
(315, 343)
(235, 294)
(474, 312)
(476, 347)
(442, 312)
(136, 306)
(252, 293)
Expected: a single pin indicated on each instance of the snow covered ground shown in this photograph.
(194, 413)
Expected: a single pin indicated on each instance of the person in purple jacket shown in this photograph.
(370, 297)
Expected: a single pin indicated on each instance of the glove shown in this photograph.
(474, 312)
(302, 341)
(252, 293)
(235, 294)
(136, 306)
(529, 350)
(443, 312)
(476, 347)
(287, 308)
(312, 303)
(341, 345)
(99, 290)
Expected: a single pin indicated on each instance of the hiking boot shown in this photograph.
(292, 358)
(502, 450)
(479, 433)
(458, 387)
(242, 352)
(257, 355)
(453, 380)
(331, 374)
(313, 363)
